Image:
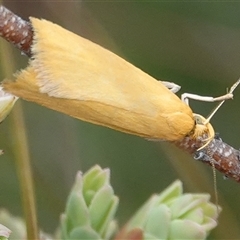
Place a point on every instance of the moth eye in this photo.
(217, 136)
(198, 120)
(198, 155)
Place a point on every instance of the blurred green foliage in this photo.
(194, 44)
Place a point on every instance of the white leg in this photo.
(171, 86)
(186, 96)
(227, 96)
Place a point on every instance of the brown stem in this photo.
(16, 30)
(224, 157)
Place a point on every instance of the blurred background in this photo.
(194, 44)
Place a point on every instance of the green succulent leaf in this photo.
(209, 223)
(149, 236)
(185, 229)
(4, 232)
(195, 215)
(158, 221)
(76, 211)
(170, 215)
(7, 102)
(91, 207)
(94, 180)
(173, 215)
(100, 206)
(83, 233)
(173, 191)
(139, 218)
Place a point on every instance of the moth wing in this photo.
(78, 77)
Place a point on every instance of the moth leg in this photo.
(171, 86)
(186, 96)
(203, 124)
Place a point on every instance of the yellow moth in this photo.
(77, 77)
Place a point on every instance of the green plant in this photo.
(92, 204)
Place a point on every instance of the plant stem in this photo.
(15, 30)
(24, 169)
(21, 152)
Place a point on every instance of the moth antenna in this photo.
(214, 182)
(16, 30)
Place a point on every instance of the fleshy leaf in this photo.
(7, 102)
(158, 222)
(77, 211)
(186, 229)
(174, 215)
(173, 191)
(4, 232)
(100, 207)
(91, 207)
(93, 181)
(84, 233)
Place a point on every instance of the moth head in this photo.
(202, 128)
